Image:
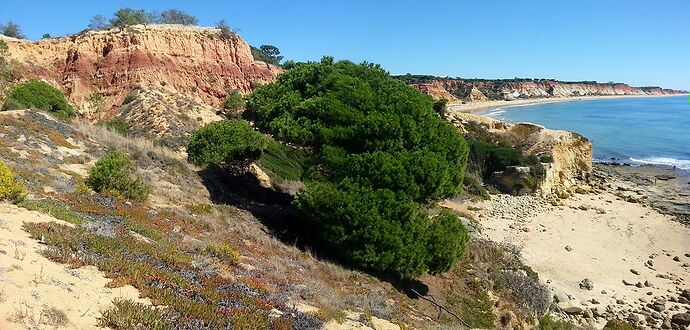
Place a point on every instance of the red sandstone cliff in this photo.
(193, 61)
(481, 90)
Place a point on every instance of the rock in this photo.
(628, 283)
(588, 313)
(639, 285)
(594, 301)
(603, 292)
(666, 324)
(685, 294)
(676, 259)
(568, 248)
(570, 308)
(634, 318)
(687, 255)
(620, 301)
(586, 284)
(682, 319)
(648, 284)
(657, 307)
(636, 272)
(657, 315)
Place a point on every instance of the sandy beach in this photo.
(604, 253)
(479, 107)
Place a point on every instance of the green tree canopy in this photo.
(176, 16)
(11, 29)
(127, 16)
(378, 149)
(98, 22)
(364, 125)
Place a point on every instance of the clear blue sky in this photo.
(640, 42)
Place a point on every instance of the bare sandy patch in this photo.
(626, 250)
(36, 293)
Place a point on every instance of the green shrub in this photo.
(487, 157)
(129, 98)
(3, 46)
(10, 188)
(234, 103)
(225, 143)
(117, 124)
(223, 251)
(618, 325)
(38, 94)
(549, 323)
(114, 174)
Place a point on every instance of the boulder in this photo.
(682, 319)
(586, 284)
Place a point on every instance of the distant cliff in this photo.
(485, 90)
(199, 63)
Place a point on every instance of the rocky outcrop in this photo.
(570, 154)
(198, 62)
(482, 90)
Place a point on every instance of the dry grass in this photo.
(130, 144)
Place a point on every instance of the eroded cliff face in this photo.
(194, 61)
(571, 153)
(482, 90)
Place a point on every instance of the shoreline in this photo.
(619, 234)
(481, 108)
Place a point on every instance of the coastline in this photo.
(485, 106)
(617, 233)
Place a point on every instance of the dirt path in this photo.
(36, 293)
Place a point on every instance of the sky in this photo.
(640, 42)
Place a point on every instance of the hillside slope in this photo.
(198, 62)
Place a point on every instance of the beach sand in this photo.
(479, 107)
(603, 236)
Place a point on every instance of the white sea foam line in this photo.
(683, 164)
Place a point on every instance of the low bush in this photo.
(618, 325)
(38, 94)
(234, 103)
(223, 252)
(114, 174)
(129, 98)
(10, 188)
(229, 143)
(549, 323)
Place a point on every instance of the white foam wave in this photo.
(683, 164)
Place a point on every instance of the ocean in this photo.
(645, 130)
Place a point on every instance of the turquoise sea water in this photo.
(654, 130)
